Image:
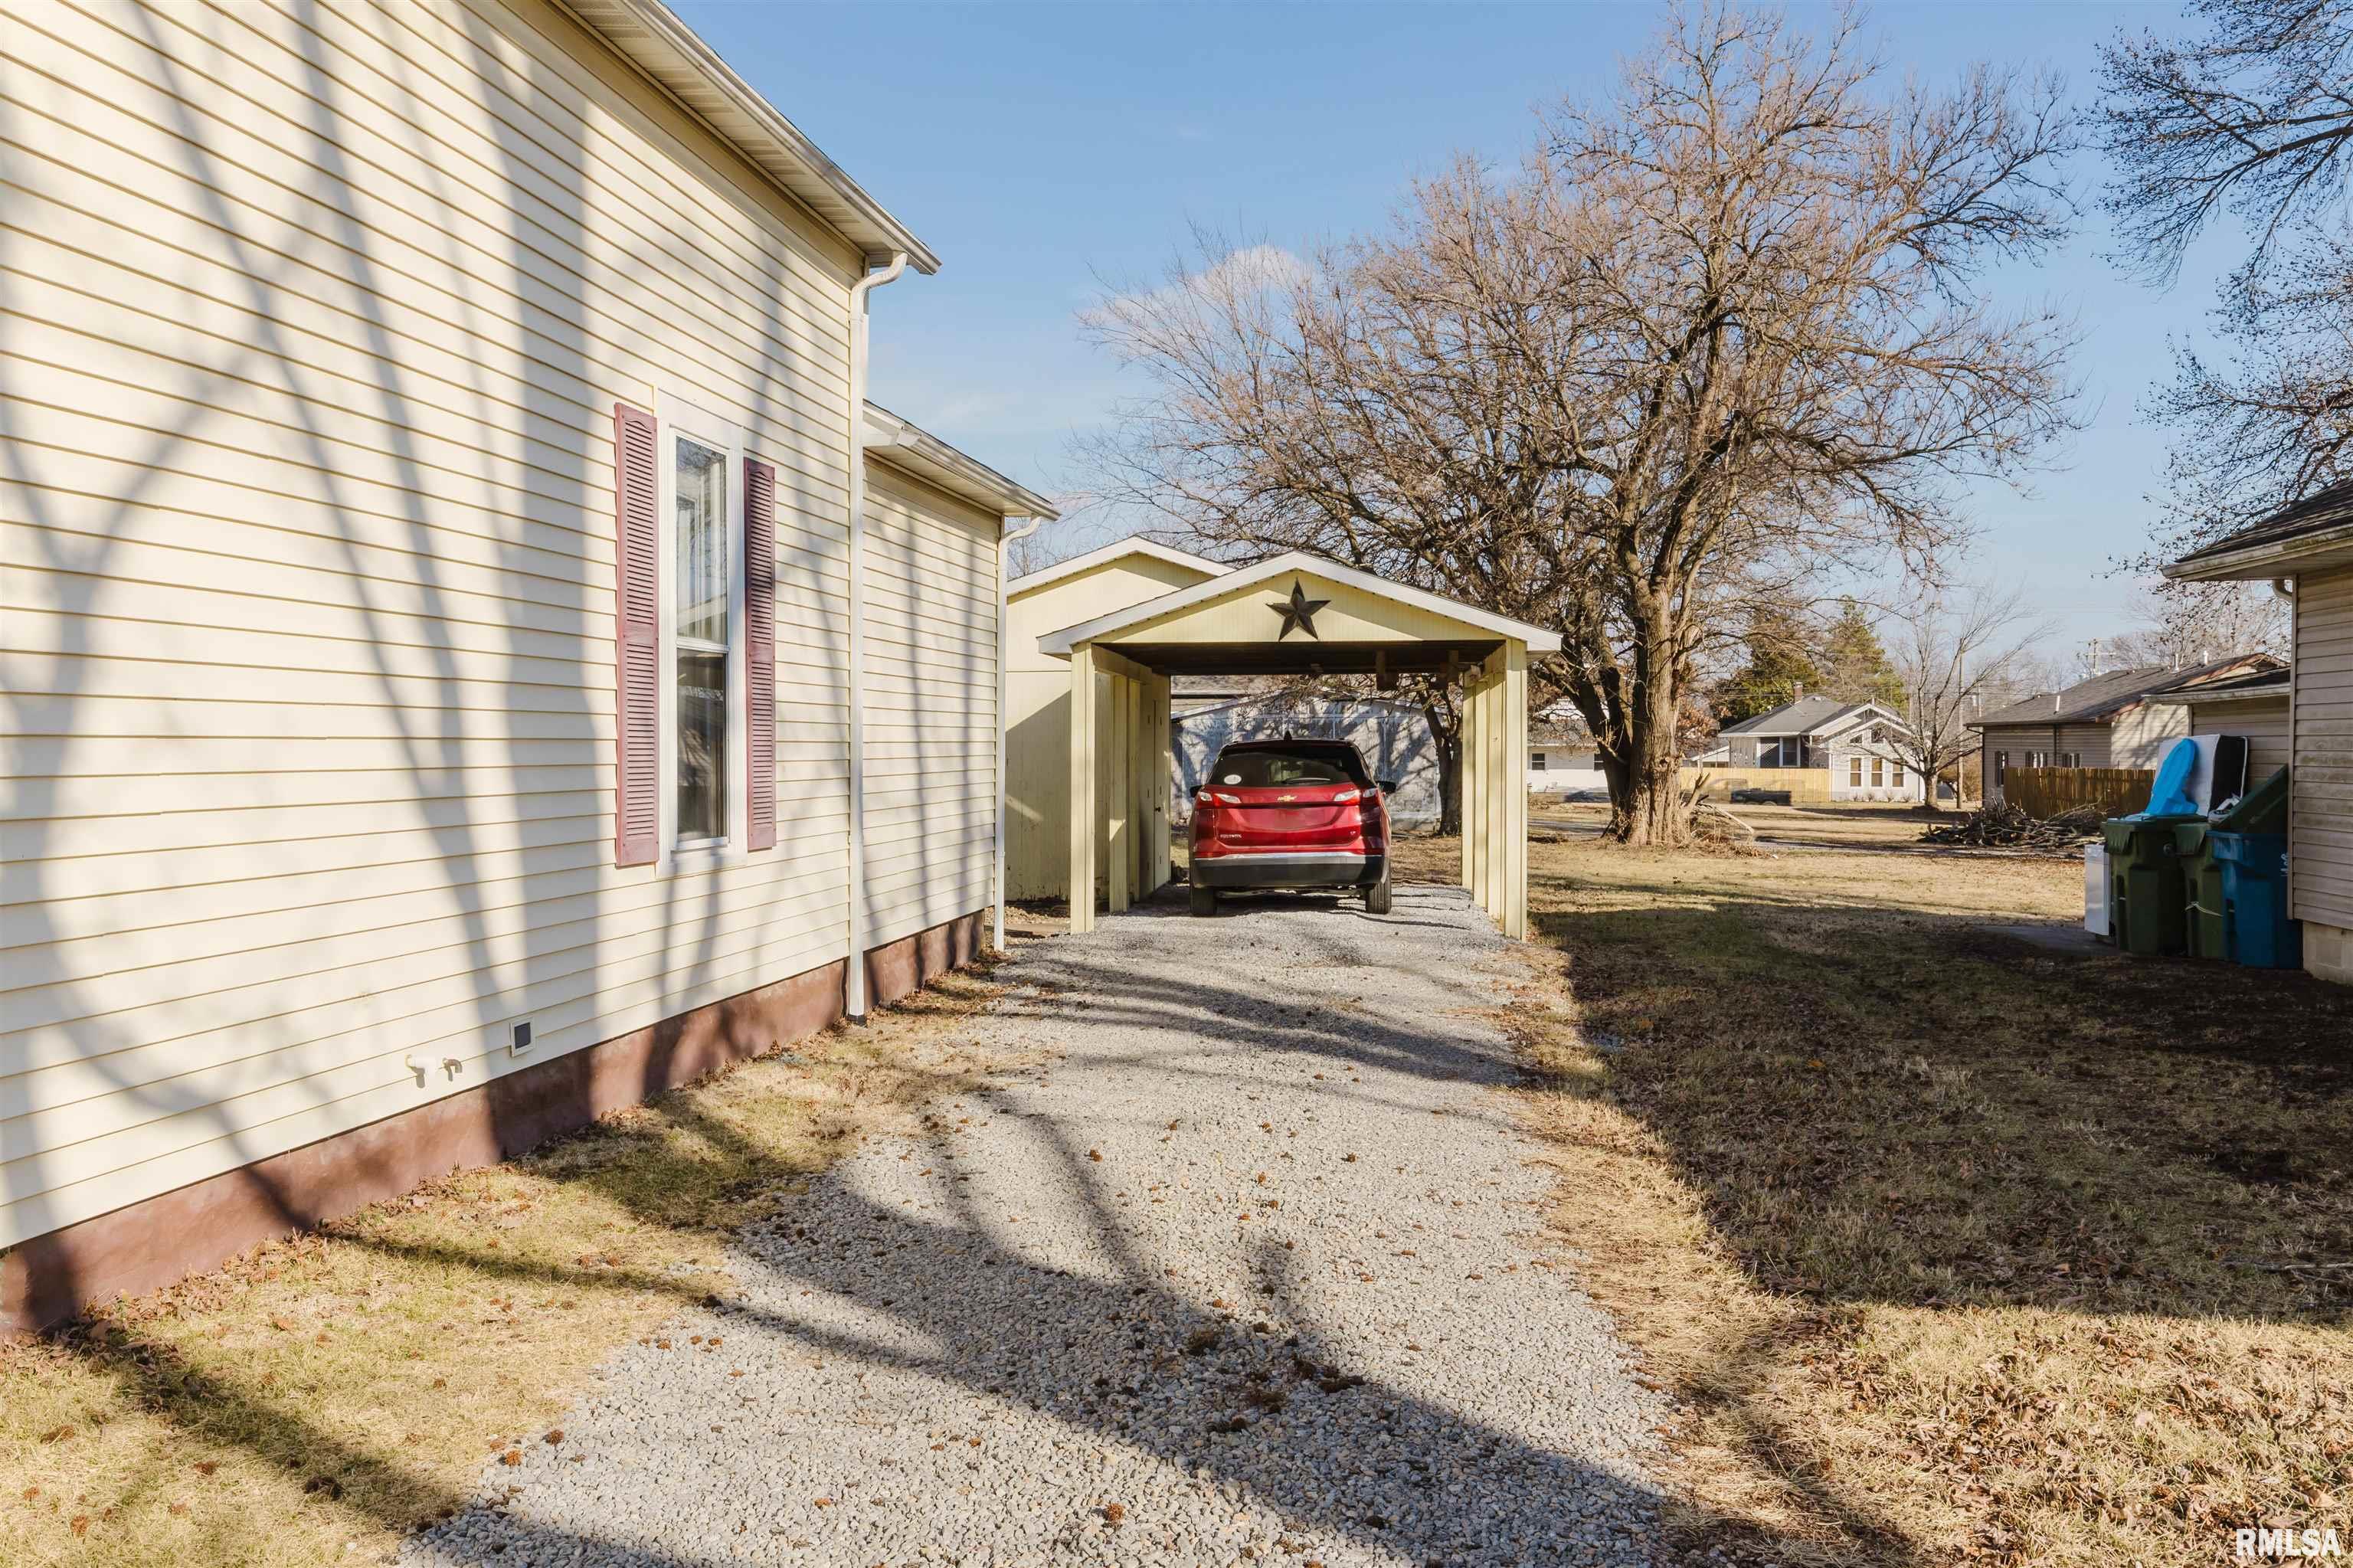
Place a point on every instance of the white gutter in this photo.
(996, 882)
(854, 988)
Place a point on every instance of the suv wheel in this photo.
(1376, 896)
(1205, 900)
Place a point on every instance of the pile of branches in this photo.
(2008, 827)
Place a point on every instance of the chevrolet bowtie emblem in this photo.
(1286, 797)
(1298, 612)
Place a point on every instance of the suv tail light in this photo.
(1347, 797)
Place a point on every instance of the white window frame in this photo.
(679, 417)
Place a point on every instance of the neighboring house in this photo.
(476, 658)
(2109, 721)
(1393, 736)
(1561, 758)
(2306, 550)
(2255, 707)
(1848, 747)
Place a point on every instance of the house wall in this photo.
(316, 332)
(1038, 713)
(1846, 750)
(2320, 823)
(1567, 766)
(2087, 746)
(2264, 725)
(2140, 735)
(930, 779)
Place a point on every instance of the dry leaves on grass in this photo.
(1930, 1232)
(333, 1388)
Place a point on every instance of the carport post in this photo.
(1083, 788)
(1120, 789)
(1160, 775)
(1472, 784)
(1499, 785)
(1515, 913)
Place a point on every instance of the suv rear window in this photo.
(1269, 768)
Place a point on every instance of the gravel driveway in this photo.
(1248, 1269)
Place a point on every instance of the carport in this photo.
(1291, 615)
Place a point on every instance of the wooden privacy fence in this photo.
(2045, 792)
(1806, 785)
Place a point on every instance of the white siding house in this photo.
(2306, 551)
(345, 348)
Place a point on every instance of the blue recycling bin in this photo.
(2256, 930)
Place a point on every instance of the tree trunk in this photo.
(1649, 810)
(1449, 783)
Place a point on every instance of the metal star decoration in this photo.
(1298, 612)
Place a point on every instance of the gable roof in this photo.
(1118, 549)
(1804, 715)
(649, 36)
(2100, 699)
(1538, 639)
(2325, 511)
(2255, 687)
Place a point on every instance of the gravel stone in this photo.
(1249, 1268)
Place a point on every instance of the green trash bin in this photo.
(2147, 900)
(2202, 926)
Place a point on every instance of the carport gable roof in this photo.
(1372, 605)
(1118, 549)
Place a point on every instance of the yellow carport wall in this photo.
(1247, 623)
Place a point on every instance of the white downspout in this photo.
(853, 1001)
(996, 881)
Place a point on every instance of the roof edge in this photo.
(1115, 550)
(928, 458)
(663, 49)
(1538, 639)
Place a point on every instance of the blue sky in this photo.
(1044, 149)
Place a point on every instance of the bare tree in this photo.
(1717, 331)
(2250, 117)
(1959, 651)
(2178, 625)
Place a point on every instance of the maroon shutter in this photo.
(637, 660)
(760, 649)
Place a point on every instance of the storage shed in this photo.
(474, 656)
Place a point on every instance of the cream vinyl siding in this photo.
(2321, 809)
(2140, 735)
(1037, 713)
(313, 330)
(2264, 725)
(930, 705)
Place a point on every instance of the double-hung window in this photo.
(701, 664)
(694, 664)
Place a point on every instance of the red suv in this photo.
(1290, 814)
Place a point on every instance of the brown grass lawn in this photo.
(322, 1397)
(1859, 825)
(1959, 1250)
